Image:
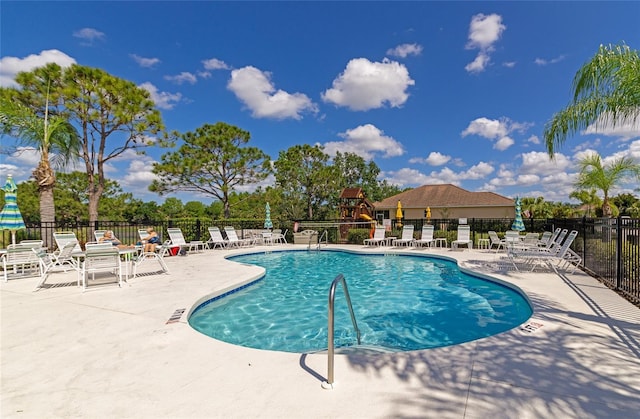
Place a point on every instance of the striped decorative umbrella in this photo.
(10, 217)
(518, 225)
(267, 218)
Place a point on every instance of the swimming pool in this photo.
(401, 303)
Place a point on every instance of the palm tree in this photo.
(536, 207)
(55, 138)
(606, 91)
(588, 198)
(595, 174)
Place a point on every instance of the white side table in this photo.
(439, 242)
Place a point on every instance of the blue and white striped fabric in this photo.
(10, 217)
(518, 225)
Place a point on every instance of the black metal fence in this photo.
(127, 233)
(610, 247)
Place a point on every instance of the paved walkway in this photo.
(110, 353)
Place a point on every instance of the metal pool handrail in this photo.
(330, 344)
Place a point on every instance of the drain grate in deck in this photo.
(175, 317)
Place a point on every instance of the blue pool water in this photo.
(401, 303)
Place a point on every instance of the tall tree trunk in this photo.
(46, 179)
(94, 200)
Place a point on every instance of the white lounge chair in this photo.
(426, 237)
(546, 236)
(63, 237)
(158, 254)
(177, 239)
(216, 239)
(378, 237)
(554, 256)
(407, 238)
(48, 263)
(234, 240)
(64, 256)
(464, 237)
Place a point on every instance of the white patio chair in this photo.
(277, 236)
(98, 258)
(407, 237)
(177, 239)
(426, 237)
(20, 262)
(496, 241)
(463, 238)
(378, 237)
(267, 238)
(232, 236)
(216, 239)
(33, 243)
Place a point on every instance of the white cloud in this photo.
(533, 139)
(184, 77)
(526, 180)
(437, 159)
(434, 159)
(634, 150)
(25, 156)
(144, 62)
(494, 129)
(540, 163)
(405, 50)
(365, 85)
(139, 175)
(411, 177)
(587, 145)
(487, 128)
(484, 31)
(256, 90)
(627, 129)
(163, 100)
(89, 35)
(509, 64)
(366, 141)
(10, 66)
(479, 171)
(215, 64)
(479, 63)
(503, 143)
(543, 62)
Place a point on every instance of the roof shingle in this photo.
(446, 195)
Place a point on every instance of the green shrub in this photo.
(357, 235)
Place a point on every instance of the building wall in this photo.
(453, 213)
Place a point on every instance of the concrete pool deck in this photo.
(110, 353)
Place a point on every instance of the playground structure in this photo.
(355, 209)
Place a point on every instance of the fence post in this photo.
(584, 239)
(618, 252)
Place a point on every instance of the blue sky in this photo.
(433, 92)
